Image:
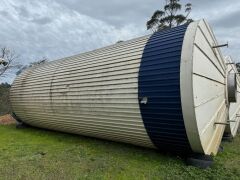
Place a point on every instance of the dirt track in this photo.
(7, 119)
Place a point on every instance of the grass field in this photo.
(40, 154)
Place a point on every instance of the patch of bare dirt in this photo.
(7, 119)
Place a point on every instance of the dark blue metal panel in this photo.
(159, 81)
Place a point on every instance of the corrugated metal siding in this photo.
(234, 108)
(92, 94)
(159, 81)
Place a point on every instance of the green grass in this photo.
(39, 154)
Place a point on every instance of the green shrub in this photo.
(4, 99)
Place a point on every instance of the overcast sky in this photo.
(60, 28)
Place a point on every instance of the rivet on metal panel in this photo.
(143, 100)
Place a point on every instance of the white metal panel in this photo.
(203, 89)
(93, 94)
(234, 108)
(205, 68)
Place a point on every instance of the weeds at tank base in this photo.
(39, 154)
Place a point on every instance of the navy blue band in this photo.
(159, 90)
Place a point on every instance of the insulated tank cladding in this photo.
(166, 90)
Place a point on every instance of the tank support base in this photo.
(220, 149)
(16, 118)
(21, 125)
(227, 138)
(199, 160)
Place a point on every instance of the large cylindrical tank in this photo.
(165, 90)
(234, 107)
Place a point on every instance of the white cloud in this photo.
(45, 28)
(59, 28)
(223, 16)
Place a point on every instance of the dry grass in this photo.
(7, 119)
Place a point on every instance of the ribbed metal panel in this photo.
(92, 94)
(159, 83)
(165, 91)
(234, 107)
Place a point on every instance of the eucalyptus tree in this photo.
(171, 16)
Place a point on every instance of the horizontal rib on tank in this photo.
(93, 94)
